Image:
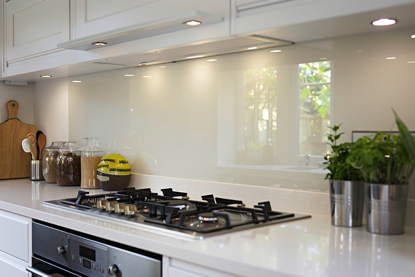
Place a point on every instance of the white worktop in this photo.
(309, 247)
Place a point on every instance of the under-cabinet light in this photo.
(413, 36)
(391, 58)
(76, 81)
(128, 75)
(192, 23)
(99, 43)
(411, 62)
(147, 76)
(384, 22)
(46, 76)
(194, 57)
(212, 60)
(163, 66)
(275, 51)
(252, 48)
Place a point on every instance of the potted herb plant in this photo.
(346, 189)
(386, 166)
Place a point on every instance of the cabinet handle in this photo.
(37, 272)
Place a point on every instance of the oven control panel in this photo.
(95, 258)
(88, 257)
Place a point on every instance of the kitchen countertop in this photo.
(309, 247)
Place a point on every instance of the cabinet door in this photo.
(177, 268)
(34, 27)
(14, 234)
(242, 5)
(98, 16)
(8, 269)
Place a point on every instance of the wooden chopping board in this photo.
(14, 162)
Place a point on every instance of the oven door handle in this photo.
(37, 272)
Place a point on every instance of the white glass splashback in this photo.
(247, 117)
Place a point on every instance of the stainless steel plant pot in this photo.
(346, 201)
(386, 208)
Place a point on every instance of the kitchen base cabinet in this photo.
(15, 235)
(177, 268)
(12, 267)
(15, 244)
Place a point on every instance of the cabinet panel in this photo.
(178, 268)
(14, 232)
(175, 272)
(34, 27)
(98, 16)
(96, 9)
(8, 269)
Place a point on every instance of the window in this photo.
(260, 109)
(314, 107)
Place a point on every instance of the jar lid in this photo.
(56, 145)
(69, 146)
(92, 145)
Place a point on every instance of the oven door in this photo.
(43, 268)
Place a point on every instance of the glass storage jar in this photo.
(91, 155)
(69, 165)
(49, 161)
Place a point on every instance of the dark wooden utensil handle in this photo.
(12, 107)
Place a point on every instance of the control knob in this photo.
(61, 250)
(113, 269)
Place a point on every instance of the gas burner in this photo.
(207, 217)
(178, 204)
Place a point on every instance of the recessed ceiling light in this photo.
(413, 36)
(46, 76)
(76, 81)
(192, 23)
(252, 48)
(128, 75)
(275, 51)
(99, 43)
(147, 76)
(384, 22)
(411, 62)
(391, 58)
(323, 59)
(359, 51)
(212, 60)
(194, 57)
(163, 66)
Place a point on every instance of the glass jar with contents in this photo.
(91, 155)
(69, 165)
(49, 161)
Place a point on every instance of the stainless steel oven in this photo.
(60, 252)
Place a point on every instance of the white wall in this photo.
(51, 109)
(24, 95)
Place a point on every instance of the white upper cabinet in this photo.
(305, 20)
(99, 16)
(35, 27)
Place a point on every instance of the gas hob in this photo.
(174, 213)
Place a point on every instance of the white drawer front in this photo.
(10, 270)
(14, 235)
